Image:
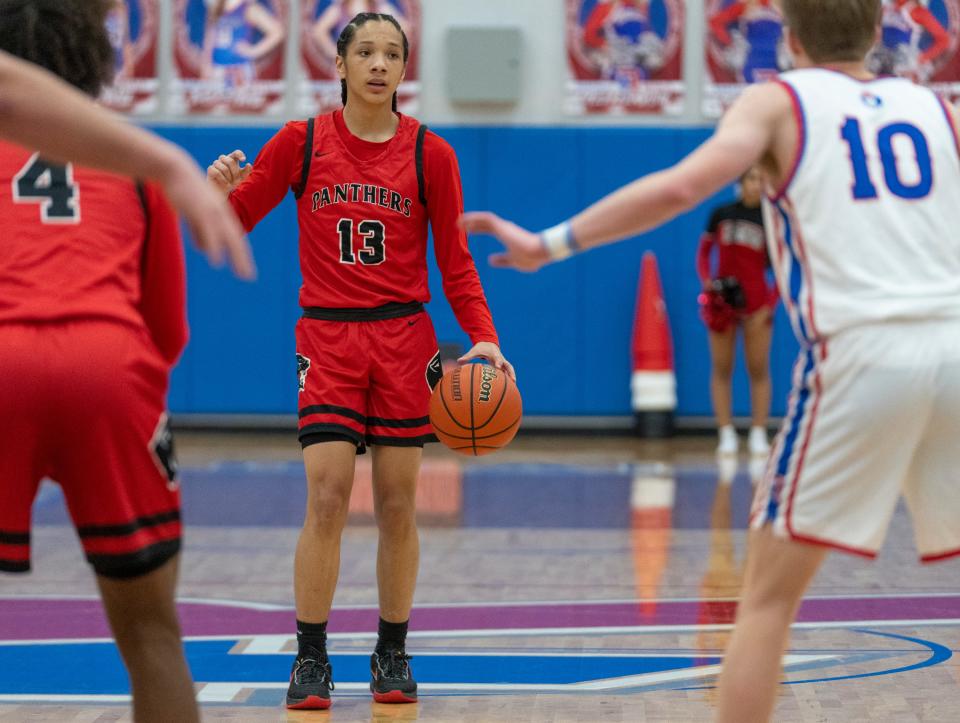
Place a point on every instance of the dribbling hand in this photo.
(491, 352)
(524, 249)
(226, 173)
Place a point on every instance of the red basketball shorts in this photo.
(368, 382)
(82, 403)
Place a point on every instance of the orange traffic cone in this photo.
(654, 385)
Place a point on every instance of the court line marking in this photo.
(227, 692)
(938, 654)
(492, 603)
(530, 632)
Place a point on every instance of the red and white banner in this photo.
(625, 56)
(744, 45)
(320, 24)
(132, 29)
(919, 40)
(229, 56)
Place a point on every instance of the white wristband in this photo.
(559, 241)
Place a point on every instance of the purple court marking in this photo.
(46, 619)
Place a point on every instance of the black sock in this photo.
(312, 635)
(391, 636)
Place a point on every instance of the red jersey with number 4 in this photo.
(81, 244)
(363, 225)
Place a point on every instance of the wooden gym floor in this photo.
(565, 579)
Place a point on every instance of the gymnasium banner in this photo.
(132, 29)
(320, 24)
(919, 41)
(744, 45)
(228, 56)
(625, 56)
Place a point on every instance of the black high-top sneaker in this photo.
(391, 678)
(310, 681)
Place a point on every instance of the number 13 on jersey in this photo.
(373, 250)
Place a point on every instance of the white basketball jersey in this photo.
(867, 228)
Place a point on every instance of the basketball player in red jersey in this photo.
(367, 182)
(736, 295)
(92, 317)
(40, 112)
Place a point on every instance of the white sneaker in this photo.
(729, 444)
(757, 442)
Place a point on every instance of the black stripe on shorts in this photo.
(384, 441)
(14, 565)
(332, 409)
(330, 428)
(141, 523)
(14, 538)
(397, 423)
(134, 564)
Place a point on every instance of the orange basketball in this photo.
(475, 409)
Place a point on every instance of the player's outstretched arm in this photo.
(39, 111)
(744, 137)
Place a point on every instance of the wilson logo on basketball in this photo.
(486, 379)
(455, 387)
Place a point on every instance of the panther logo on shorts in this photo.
(161, 447)
(303, 366)
(434, 371)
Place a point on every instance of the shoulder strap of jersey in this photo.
(419, 158)
(145, 206)
(307, 157)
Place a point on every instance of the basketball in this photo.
(475, 409)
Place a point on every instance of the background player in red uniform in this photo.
(38, 111)
(92, 317)
(737, 294)
(367, 182)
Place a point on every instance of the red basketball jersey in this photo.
(82, 244)
(737, 232)
(366, 222)
(363, 224)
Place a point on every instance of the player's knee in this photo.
(722, 371)
(770, 598)
(327, 506)
(395, 512)
(758, 372)
(147, 632)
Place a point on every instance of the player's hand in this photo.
(524, 249)
(214, 226)
(227, 172)
(491, 352)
